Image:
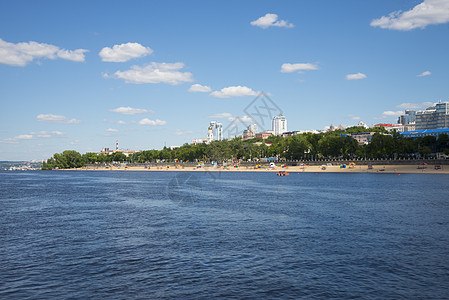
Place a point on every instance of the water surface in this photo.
(117, 235)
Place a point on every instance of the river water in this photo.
(152, 235)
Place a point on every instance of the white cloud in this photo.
(408, 105)
(112, 130)
(288, 68)
(75, 55)
(244, 119)
(271, 20)
(21, 54)
(183, 132)
(130, 111)
(147, 121)
(425, 73)
(121, 122)
(156, 73)
(391, 114)
(50, 118)
(429, 12)
(199, 88)
(31, 136)
(124, 52)
(220, 116)
(234, 91)
(356, 76)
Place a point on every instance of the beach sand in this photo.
(430, 169)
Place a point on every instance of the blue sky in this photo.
(81, 75)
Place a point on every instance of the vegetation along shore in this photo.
(306, 148)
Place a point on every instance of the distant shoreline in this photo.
(389, 169)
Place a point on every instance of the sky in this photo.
(79, 75)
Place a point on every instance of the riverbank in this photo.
(430, 169)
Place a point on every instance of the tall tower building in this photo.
(252, 128)
(408, 118)
(279, 124)
(217, 131)
(434, 117)
(210, 134)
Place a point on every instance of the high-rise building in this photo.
(250, 132)
(279, 124)
(215, 131)
(408, 118)
(252, 128)
(434, 117)
(210, 134)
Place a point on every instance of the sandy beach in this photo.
(430, 169)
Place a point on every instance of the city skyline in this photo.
(152, 74)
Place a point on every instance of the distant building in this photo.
(250, 132)
(434, 117)
(362, 124)
(333, 128)
(422, 133)
(279, 124)
(127, 152)
(389, 127)
(409, 127)
(264, 134)
(363, 138)
(408, 118)
(198, 141)
(210, 134)
(314, 131)
(215, 131)
(252, 128)
(288, 133)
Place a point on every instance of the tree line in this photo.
(329, 145)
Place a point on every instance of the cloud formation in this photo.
(356, 76)
(199, 88)
(130, 111)
(391, 114)
(288, 68)
(220, 116)
(32, 135)
(234, 91)
(408, 105)
(147, 121)
(429, 12)
(124, 52)
(21, 54)
(112, 130)
(50, 118)
(156, 73)
(244, 119)
(271, 20)
(425, 73)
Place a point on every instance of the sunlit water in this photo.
(146, 235)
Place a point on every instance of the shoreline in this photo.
(378, 169)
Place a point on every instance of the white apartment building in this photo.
(279, 124)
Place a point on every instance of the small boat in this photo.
(282, 173)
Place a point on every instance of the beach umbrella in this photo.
(424, 164)
(352, 164)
